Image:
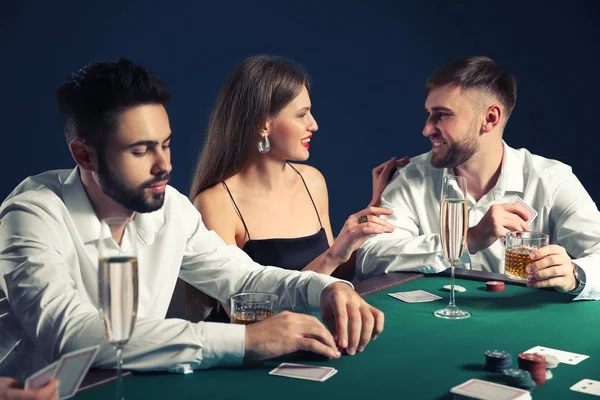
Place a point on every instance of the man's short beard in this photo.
(133, 199)
(460, 152)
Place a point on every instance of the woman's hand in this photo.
(382, 175)
(356, 230)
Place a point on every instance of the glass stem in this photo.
(451, 304)
(120, 395)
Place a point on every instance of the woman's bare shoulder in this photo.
(210, 197)
(316, 183)
(217, 213)
(312, 176)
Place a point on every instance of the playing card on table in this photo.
(587, 386)
(482, 390)
(72, 368)
(41, 377)
(415, 296)
(530, 211)
(563, 356)
(308, 372)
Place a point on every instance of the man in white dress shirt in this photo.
(469, 102)
(119, 135)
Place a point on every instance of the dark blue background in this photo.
(368, 60)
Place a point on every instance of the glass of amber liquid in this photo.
(248, 308)
(519, 245)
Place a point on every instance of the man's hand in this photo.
(382, 175)
(497, 221)
(285, 333)
(341, 305)
(552, 268)
(11, 389)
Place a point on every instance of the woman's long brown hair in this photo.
(258, 88)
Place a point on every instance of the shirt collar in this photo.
(511, 174)
(87, 223)
(79, 207)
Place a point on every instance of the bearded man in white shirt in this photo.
(469, 102)
(118, 133)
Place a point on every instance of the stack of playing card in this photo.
(308, 372)
(415, 296)
(69, 370)
(482, 390)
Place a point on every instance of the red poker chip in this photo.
(533, 358)
(494, 286)
(535, 364)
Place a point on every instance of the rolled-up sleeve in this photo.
(406, 248)
(51, 309)
(576, 226)
(221, 270)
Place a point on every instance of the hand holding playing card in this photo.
(497, 221)
(552, 268)
(11, 389)
(70, 370)
(342, 306)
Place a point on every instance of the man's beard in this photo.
(458, 153)
(133, 199)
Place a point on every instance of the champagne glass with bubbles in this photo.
(454, 223)
(118, 284)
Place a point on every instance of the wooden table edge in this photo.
(385, 281)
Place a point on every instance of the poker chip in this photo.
(494, 286)
(535, 364)
(457, 288)
(497, 361)
(519, 378)
(551, 361)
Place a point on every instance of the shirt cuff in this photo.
(316, 285)
(591, 277)
(223, 344)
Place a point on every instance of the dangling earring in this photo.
(264, 145)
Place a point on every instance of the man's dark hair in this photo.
(480, 73)
(92, 99)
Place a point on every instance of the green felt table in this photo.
(418, 356)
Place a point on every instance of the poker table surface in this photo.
(418, 356)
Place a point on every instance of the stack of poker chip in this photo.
(519, 378)
(497, 361)
(551, 363)
(536, 365)
(494, 286)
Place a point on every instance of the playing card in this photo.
(587, 386)
(530, 211)
(308, 372)
(563, 356)
(72, 368)
(415, 296)
(41, 377)
(482, 390)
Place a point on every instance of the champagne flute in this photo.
(118, 284)
(454, 223)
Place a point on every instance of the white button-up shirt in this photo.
(49, 278)
(566, 213)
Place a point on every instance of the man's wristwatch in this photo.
(579, 280)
